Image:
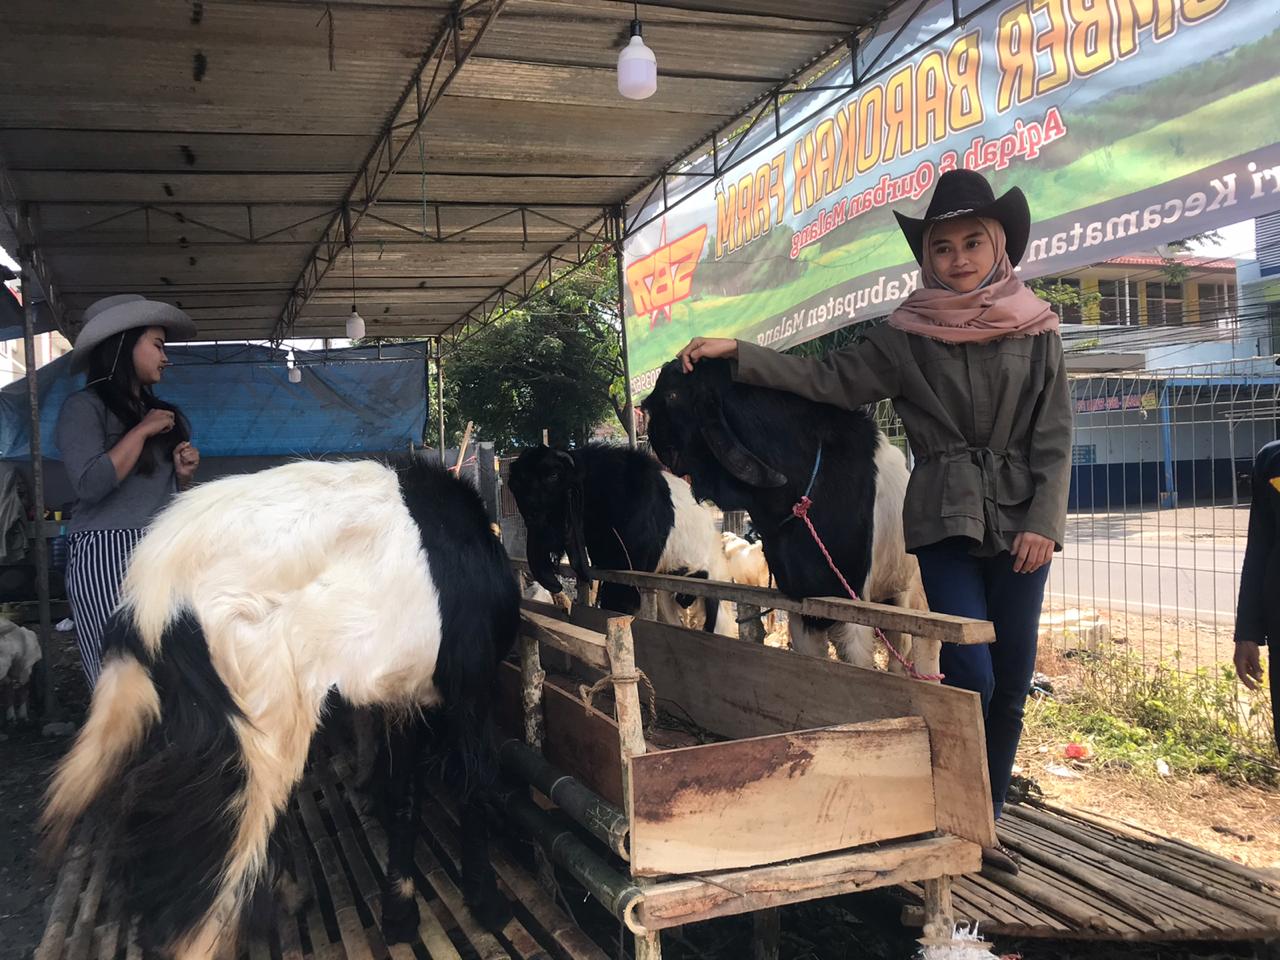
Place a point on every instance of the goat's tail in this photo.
(125, 704)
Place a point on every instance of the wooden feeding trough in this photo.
(813, 778)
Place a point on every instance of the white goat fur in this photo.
(304, 578)
(19, 653)
(693, 544)
(747, 565)
(894, 578)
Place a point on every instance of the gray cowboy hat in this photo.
(111, 315)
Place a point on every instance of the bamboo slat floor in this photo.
(339, 857)
(1088, 877)
(1083, 877)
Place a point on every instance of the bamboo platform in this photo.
(1086, 877)
(1083, 877)
(343, 858)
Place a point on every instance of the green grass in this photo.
(1165, 151)
(1132, 717)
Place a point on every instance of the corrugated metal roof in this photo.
(197, 152)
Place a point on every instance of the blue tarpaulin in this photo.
(241, 404)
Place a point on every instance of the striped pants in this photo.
(96, 560)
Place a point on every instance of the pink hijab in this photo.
(1004, 306)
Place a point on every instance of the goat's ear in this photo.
(724, 443)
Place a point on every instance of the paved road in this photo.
(1180, 562)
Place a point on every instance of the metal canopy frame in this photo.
(238, 188)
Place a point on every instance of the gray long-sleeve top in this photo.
(989, 423)
(86, 431)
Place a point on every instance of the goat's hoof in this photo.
(399, 919)
(490, 908)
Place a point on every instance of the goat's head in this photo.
(548, 487)
(690, 433)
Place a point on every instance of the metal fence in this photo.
(1158, 509)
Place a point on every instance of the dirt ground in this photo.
(26, 760)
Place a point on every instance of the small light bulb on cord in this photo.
(355, 322)
(637, 66)
(295, 374)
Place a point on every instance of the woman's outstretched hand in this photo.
(706, 348)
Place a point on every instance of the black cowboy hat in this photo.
(966, 193)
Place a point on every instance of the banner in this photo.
(1128, 123)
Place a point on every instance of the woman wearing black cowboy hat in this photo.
(126, 452)
(973, 363)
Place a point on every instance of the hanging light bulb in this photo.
(637, 66)
(355, 322)
(295, 374)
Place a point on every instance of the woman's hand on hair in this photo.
(1031, 552)
(156, 422)
(186, 460)
(706, 348)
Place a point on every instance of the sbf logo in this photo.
(665, 277)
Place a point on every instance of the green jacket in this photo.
(989, 424)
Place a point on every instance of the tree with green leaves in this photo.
(554, 364)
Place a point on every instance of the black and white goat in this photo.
(248, 600)
(755, 449)
(618, 508)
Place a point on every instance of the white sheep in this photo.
(19, 653)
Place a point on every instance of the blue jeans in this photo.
(986, 588)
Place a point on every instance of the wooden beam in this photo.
(759, 888)
(586, 645)
(920, 623)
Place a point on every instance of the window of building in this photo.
(1119, 303)
(1164, 304)
(1217, 302)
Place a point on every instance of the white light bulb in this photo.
(637, 68)
(295, 374)
(355, 325)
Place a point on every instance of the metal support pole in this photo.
(629, 409)
(37, 477)
(440, 394)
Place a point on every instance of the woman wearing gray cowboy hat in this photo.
(126, 452)
(973, 361)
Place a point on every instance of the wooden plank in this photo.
(1107, 885)
(321, 947)
(77, 947)
(726, 894)
(587, 645)
(440, 817)
(580, 740)
(722, 806)
(1059, 895)
(350, 926)
(1235, 880)
(430, 931)
(1157, 876)
(524, 944)
(133, 949)
(1170, 908)
(65, 896)
(921, 623)
(109, 932)
(741, 690)
(484, 943)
